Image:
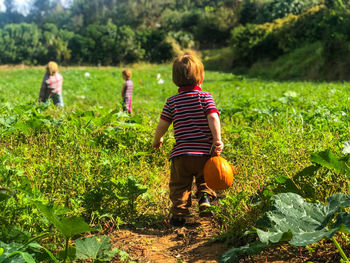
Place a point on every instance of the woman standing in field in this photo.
(127, 90)
(51, 87)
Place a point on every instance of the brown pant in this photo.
(183, 169)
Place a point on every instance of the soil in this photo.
(318, 253)
(194, 243)
(191, 243)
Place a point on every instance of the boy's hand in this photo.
(218, 146)
(157, 144)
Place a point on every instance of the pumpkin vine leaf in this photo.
(298, 222)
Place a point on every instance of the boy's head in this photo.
(188, 70)
(126, 74)
(51, 68)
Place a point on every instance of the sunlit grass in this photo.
(269, 129)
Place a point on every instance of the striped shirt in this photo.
(128, 89)
(127, 94)
(188, 112)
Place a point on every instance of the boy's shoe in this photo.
(177, 221)
(204, 203)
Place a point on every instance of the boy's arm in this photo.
(42, 89)
(215, 128)
(123, 89)
(161, 129)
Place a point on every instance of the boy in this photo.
(127, 90)
(196, 131)
(51, 86)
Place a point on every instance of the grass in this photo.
(81, 156)
(302, 63)
(218, 59)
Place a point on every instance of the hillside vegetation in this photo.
(263, 36)
(313, 45)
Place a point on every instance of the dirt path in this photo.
(192, 243)
(167, 244)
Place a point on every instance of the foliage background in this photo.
(270, 39)
(93, 161)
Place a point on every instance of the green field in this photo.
(91, 160)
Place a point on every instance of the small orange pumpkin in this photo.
(218, 173)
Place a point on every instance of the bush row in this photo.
(99, 44)
(270, 40)
(267, 42)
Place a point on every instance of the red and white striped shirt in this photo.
(188, 112)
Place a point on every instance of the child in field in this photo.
(197, 131)
(127, 90)
(51, 87)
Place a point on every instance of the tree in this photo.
(86, 12)
(20, 43)
(339, 5)
(56, 43)
(40, 11)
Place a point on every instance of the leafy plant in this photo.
(331, 161)
(126, 193)
(298, 222)
(28, 252)
(67, 226)
(308, 181)
(98, 249)
(4, 193)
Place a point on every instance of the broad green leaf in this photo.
(94, 248)
(234, 254)
(48, 213)
(26, 256)
(68, 226)
(330, 161)
(36, 245)
(299, 222)
(294, 220)
(14, 252)
(343, 223)
(71, 226)
(8, 249)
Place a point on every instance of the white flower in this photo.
(346, 147)
(87, 74)
(158, 76)
(160, 81)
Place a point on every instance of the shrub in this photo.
(252, 42)
(270, 40)
(157, 48)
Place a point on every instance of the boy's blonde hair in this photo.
(188, 70)
(127, 73)
(51, 68)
